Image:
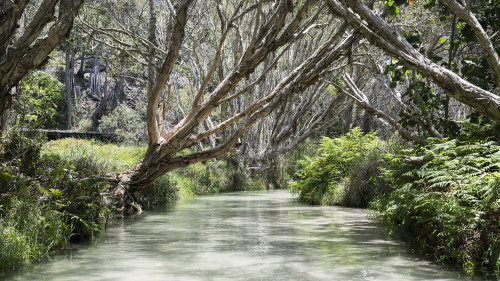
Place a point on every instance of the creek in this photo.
(241, 236)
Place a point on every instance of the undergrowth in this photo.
(50, 193)
(45, 200)
(209, 177)
(446, 195)
(450, 204)
(344, 172)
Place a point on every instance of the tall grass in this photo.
(107, 157)
(29, 232)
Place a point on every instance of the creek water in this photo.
(241, 236)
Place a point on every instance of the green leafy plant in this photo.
(450, 202)
(45, 199)
(126, 123)
(345, 171)
(41, 102)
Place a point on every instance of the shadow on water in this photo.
(242, 236)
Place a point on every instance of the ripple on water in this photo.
(241, 236)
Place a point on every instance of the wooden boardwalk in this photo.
(59, 134)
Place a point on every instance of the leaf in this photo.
(443, 39)
(6, 177)
(56, 192)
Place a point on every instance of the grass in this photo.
(209, 177)
(110, 157)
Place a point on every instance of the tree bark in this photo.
(69, 83)
(379, 33)
(161, 156)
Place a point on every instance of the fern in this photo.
(341, 172)
(451, 204)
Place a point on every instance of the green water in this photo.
(241, 236)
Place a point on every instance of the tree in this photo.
(288, 67)
(376, 30)
(26, 42)
(276, 25)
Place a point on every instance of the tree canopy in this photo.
(259, 75)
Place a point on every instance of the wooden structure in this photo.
(59, 134)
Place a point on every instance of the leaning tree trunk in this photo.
(378, 32)
(162, 154)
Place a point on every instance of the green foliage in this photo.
(126, 123)
(450, 204)
(474, 66)
(45, 200)
(345, 171)
(102, 157)
(162, 191)
(27, 231)
(97, 158)
(41, 101)
(398, 72)
(476, 70)
(212, 177)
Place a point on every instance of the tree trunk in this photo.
(381, 34)
(69, 84)
(7, 98)
(162, 154)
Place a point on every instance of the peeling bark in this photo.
(380, 34)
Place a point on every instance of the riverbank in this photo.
(262, 235)
(445, 195)
(50, 197)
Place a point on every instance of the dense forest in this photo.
(390, 105)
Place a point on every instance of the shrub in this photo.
(345, 171)
(450, 204)
(162, 191)
(45, 200)
(211, 177)
(41, 102)
(126, 123)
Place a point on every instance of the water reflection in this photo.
(241, 236)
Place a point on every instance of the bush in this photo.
(126, 123)
(345, 172)
(41, 102)
(45, 200)
(450, 204)
(162, 191)
(211, 177)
